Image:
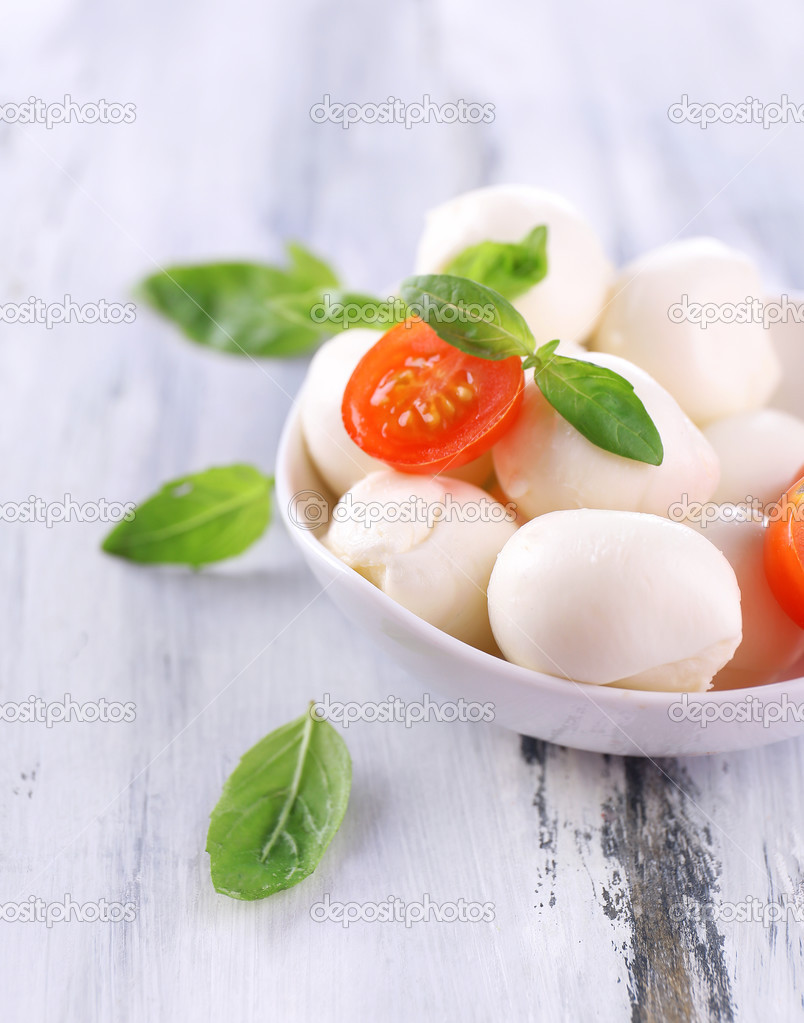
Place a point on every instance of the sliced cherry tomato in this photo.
(423, 406)
(784, 554)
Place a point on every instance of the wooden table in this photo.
(602, 872)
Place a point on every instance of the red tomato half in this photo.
(784, 554)
(422, 406)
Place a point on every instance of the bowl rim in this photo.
(601, 695)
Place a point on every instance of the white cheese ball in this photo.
(336, 456)
(567, 302)
(712, 370)
(609, 597)
(788, 342)
(434, 561)
(340, 462)
(544, 464)
(761, 455)
(771, 642)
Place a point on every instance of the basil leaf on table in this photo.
(245, 308)
(307, 270)
(600, 404)
(468, 315)
(279, 810)
(197, 519)
(510, 268)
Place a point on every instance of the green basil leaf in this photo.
(197, 519)
(600, 404)
(279, 810)
(546, 351)
(245, 308)
(468, 315)
(307, 270)
(510, 268)
(541, 355)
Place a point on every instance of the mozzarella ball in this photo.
(788, 342)
(336, 456)
(712, 369)
(567, 302)
(339, 461)
(615, 598)
(436, 560)
(544, 464)
(761, 455)
(771, 642)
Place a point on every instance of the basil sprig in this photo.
(279, 810)
(196, 519)
(249, 308)
(468, 315)
(599, 403)
(510, 268)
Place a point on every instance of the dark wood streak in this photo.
(535, 753)
(662, 885)
(773, 927)
(676, 960)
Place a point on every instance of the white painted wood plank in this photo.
(582, 856)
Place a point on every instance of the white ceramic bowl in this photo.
(587, 717)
